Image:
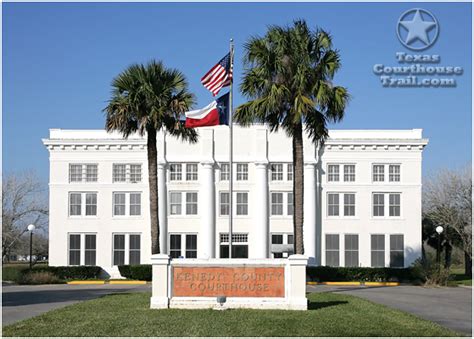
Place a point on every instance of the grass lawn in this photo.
(459, 278)
(128, 314)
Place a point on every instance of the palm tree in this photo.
(288, 81)
(146, 99)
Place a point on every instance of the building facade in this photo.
(362, 197)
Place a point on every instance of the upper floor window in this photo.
(176, 172)
(82, 204)
(127, 173)
(349, 173)
(122, 200)
(183, 245)
(334, 200)
(394, 173)
(83, 172)
(289, 173)
(191, 172)
(333, 172)
(380, 207)
(277, 172)
(378, 173)
(281, 203)
(242, 172)
(183, 201)
(242, 207)
(82, 249)
(225, 173)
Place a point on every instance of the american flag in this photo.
(218, 76)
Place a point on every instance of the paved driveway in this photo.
(449, 306)
(22, 302)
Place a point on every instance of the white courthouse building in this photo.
(362, 197)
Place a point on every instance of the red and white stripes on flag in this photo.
(218, 76)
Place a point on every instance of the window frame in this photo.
(183, 250)
(402, 250)
(337, 251)
(377, 250)
(83, 172)
(331, 177)
(192, 171)
(127, 248)
(387, 205)
(242, 172)
(183, 203)
(276, 172)
(348, 174)
(83, 204)
(127, 204)
(82, 248)
(351, 250)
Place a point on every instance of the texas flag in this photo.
(216, 113)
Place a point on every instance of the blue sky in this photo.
(59, 60)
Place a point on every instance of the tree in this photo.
(447, 202)
(146, 99)
(24, 202)
(288, 81)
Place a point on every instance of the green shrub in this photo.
(430, 273)
(136, 272)
(71, 272)
(382, 274)
(39, 277)
(13, 272)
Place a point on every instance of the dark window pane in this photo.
(119, 241)
(277, 255)
(75, 241)
(90, 257)
(74, 257)
(134, 241)
(277, 238)
(134, 257)
(119, 257)
(175, 245)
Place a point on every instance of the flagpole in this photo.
(231, 176)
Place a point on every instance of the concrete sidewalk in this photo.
(450, 307)
(22, 302)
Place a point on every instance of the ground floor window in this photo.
(282, 245)
(397, 258)
(332, 250)
(240, 247)
(183, 245)
(377, 250)
(351, 250)
(126, 249)
(82, 249)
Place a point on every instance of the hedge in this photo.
(61, 272)
(136, 272)
(382, 274)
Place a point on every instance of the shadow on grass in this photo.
(314, 305)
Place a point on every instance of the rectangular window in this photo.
(225, 173)
(135, 173)
(119, 249)
(378, 173)
(134, 252)
(290, 238)
(394, 204)
(290, 204)
(75, 173)
(191, 203)
(378, 250)
(91, 173)
(277, 172)
(333, 172)
(191, 172)
(349, 204)
(394, 173)
(242, 203)
(119, 172)
(175, 245)
(242, 172)
(175, 203)
(332, 250)
(119, 203)
(90, 250)
(75, 204)
(289, 175)
(74, 249)
(224, 203)
(333, 204)
(91, 203)
(277, 239)
(135, 204)
(397, 258)
(349, 173)
(276, 203)
(176, 172)
(351, 247)
(191, 246)
(378, 204)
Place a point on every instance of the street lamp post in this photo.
(31, 228)
(439, 230)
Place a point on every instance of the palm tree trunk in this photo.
(153, 190)
(298, 188)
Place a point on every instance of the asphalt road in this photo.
(450, 307)
(22, 302)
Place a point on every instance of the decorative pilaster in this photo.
(309, 225)
(262, 226)
(207, 233)
(162, 207)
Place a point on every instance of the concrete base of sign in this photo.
(246, 283)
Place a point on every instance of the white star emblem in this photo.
(418, 29)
